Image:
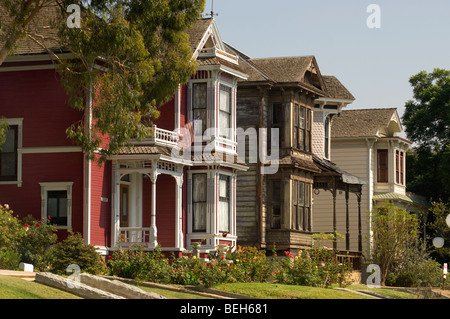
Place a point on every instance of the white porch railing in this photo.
(164, 137)
(133, 235)
(225, 145)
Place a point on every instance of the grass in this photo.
(280, 291)
(16, 288)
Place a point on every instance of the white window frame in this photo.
(19, 123)
(57, 186)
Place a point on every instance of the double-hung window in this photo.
(56, 203)
(225, 112)
(301, 211)
(302, 127)
(199, 200)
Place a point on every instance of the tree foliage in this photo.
(128, 59)
(395, 235)
(427, 123)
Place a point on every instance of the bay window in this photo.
(382, 166)
(302, 127)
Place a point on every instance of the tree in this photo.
(129, 56)
(427, 123)
(395, 234)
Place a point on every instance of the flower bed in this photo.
(316, 267)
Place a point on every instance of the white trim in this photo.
(37, 57)
(58, 186)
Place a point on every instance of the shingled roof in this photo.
(335, 89)
(197, 31)
(40, 25)
(361, 123)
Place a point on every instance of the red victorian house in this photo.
(143, 194)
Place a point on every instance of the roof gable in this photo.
(366, 123)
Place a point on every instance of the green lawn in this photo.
(279, 291)
(16, 288)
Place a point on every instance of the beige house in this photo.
(366, 143)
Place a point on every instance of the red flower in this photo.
(276, 272)
(26, 225)
(109, 257)
(48, 217)
(37, 225)
(176, 270)
(212, 264)
(223, 257)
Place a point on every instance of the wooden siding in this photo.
(352, 158)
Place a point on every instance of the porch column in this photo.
(153, 231)
(115, 225)
(179, 240)
(358, 195)
(347, 220)
(334, 214)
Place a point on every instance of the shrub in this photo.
(250, 264)
(73, 250)
(34, 246)
(426, 273)
(316, 267)
(9, 259)
(137, 264)
(11, 229)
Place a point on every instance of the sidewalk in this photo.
(20, 274)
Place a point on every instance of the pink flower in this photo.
(322, 264)
(212, 264)
(109, 257)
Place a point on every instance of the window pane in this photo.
(8, 164)
(382, 163)
(301, 193)
(199, 224)
(199, 196)
(57, 207)
(224, 124)
(200, 95)
(224, 204)
(199, 189)
(10, 143)
(302, 117)
(225, 99)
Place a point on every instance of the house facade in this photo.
(146, 194)
(366, 143)
(277, 101)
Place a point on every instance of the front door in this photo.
(124, 205)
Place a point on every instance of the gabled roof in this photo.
(335, 89)
(365, 122)
(39, 25)
(197, 32)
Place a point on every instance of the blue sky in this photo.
(374, 64)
